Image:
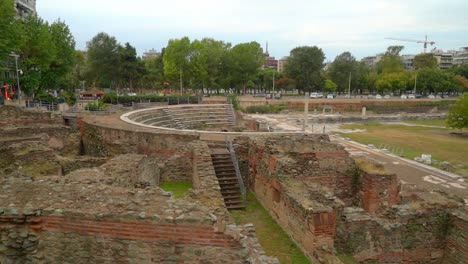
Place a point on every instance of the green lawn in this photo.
(273, 239)
(428, 122)
(178, 189)
(412, 141)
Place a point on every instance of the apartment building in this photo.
(25, 8)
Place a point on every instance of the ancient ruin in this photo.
(89, 192)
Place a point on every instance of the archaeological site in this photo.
(85, 188)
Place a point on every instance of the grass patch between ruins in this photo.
(178, 189)
(412, 141)
(273, 239)
(428, 122)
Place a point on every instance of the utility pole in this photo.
(415, 81)
(273, 83)
(16, 56)
(178, 100)
(349, 86)
(306, 111)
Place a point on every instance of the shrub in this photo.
(265, 109)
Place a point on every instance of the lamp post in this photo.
(16, 56)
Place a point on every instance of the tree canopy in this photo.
(305, 65)
(458, 114)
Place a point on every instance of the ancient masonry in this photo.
(91, 195)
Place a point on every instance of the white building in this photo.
(461, 56)
(25, 7)
(408, 61)
(281, 63)
(151, 53)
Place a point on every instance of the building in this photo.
(444, 59)
(461, 56)
(372, 61)
(281, 63)
(25, 8)
(152, 53)
(408, 61)
(270, 61)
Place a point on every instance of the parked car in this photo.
(431, 96)
(330, 96)
(387, 96)
(278, 96)
(313, 95)
(404, 96)
(131, 94)
(320, 95)
(411, 96)
(378, 96)
(268, 96)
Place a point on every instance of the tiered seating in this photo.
(187, 117)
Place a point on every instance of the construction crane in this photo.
(417, 41)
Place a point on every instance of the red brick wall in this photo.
(379, 192)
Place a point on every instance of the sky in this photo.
(335, 26)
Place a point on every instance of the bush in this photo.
(96, 106)
(112, 98)
(265, 109)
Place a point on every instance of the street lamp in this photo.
(16, 56)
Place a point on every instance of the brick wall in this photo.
(379, 192)
(457, 239)
(79, 239)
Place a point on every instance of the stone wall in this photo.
(457, 239)
(379, 192)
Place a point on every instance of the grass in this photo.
(412, 141)
(273, 239)
(178, 189)
(428, 122)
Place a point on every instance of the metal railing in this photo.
(43, 105)
(236, 166)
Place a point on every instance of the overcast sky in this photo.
(358, 26)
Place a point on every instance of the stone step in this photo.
(230, 192)
(233, 207)
(230, 187)
(227, 179)
(229, 197)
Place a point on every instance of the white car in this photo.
(411, 96)
(314, 95)
(387, 96)
(330, 96)
(403, 96)
(431, 96)
(378, 96)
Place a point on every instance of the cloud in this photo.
(358, 25)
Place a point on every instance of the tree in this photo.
(103, 60)
(244, 63)
(392, 82)
(462, 83)
(59, 74)
(329, 86)
(304, 66)
(434, 80)
(10, 31)
(154, 71)
(340, 70)
(458, 114)
(391, 61)
(38, 51)
(461, 70)
(425, 60)
(131, 67)
(286, 83)
(177, 59)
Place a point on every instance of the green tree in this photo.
(244, 63)
(304, 66)
(458, 114)
(391, 61)
(434, 80)
(103, 60)
(392, 82)
(59, 73)
(10, 32)
(154, 71)
(340, 70)
(131, 67)
(329, 86)
(38, 51)
(425, 60)
(79, 70)
(461, 70)
(177, 59)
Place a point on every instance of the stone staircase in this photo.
(226, 174)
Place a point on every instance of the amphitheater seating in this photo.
(199, 117)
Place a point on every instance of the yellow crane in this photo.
(417, 41)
